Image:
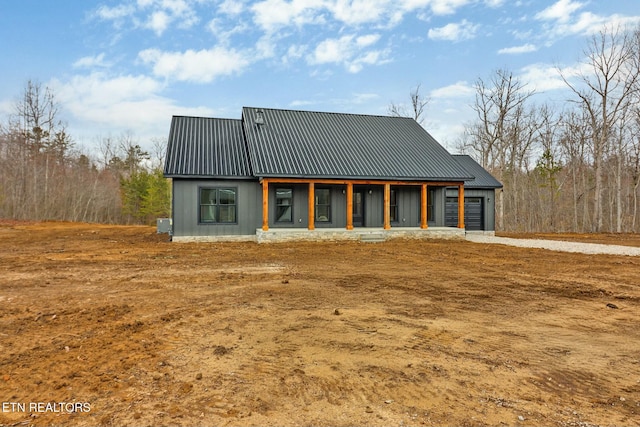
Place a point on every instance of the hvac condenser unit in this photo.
(164, 225)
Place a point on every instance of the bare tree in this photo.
(573, 148)
(605, 90)
(416, 111)
(46, 142)
(634, 165)
(499, 107)
(158, 150)
(503, 134)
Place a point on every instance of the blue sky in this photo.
(129, 65)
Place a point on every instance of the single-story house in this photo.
(282, 174)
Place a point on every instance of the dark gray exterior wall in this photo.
(249, 206)
(439, 199)
(301, 203)
(408, 206)
(299, 214)
(186, 207)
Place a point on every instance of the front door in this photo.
(358, 208)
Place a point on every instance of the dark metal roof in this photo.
(483, 179)
(330, 145)
(206, 148)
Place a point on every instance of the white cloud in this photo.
(218, 27)
(158, 22)
(114, 13)
(333, 50)
(231, 7)
(102, 103)
(447, 7)
(494, 3)
(588, 23)
(348, 50)
(368, 40)
(177, 7)
(460, 89)
(156, 15)
(560, 11)
(544, 77)
(359, 11)
(99, 89)
(437, 7)
(91, 61)
(369, 58)
(273, 14)
(525, 48)
(463, 30)
(201, 66)
(294, 53)
(265, 47)
(562, 20)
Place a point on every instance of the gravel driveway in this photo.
(555, 245)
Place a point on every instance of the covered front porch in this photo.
(343, 214)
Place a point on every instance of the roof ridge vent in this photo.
(259, 117)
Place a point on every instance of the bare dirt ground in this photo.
(131, 329)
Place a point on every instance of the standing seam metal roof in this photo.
(483, 179)
(305, 144)
(330, 145)
(204, 147)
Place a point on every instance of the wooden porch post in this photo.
(349, 206)
(387, 206)
(423, 207)
(461, 205)
(311, 208)
(265, 205)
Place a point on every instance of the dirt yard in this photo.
(105, 325)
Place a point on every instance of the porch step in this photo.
(372, 237)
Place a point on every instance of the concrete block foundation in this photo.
(364, 234)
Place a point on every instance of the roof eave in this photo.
(366, 178)
(216, 177)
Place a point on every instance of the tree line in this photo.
(45, 176)
(571, 168)
(574, 168)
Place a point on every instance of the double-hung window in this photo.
(218, 205)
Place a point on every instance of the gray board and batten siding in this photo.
(206, 153)
(479, 209)
(186, 205)
(479, 198)
(408, 206)
(186, 199)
